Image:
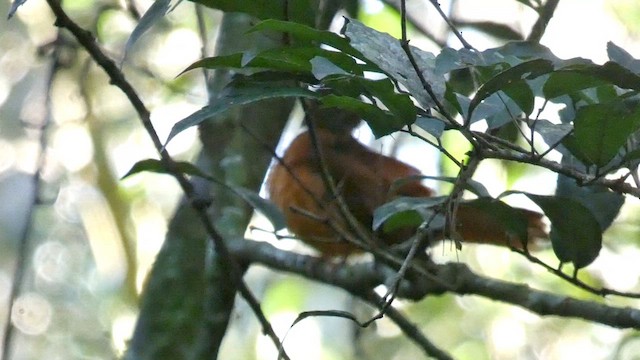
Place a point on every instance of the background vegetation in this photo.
(78, 242)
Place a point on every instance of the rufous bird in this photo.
(365, 180)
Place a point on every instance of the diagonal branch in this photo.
(358, 278)
(546, 13)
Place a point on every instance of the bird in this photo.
(365, 180)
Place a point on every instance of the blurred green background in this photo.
(91, 238)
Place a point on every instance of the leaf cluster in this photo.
(393, 86)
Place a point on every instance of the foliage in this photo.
(509, 79)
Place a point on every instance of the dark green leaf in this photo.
(378, 91)
(292, 59)
(216, 62)
(471, 185)
(522, 95)
(151, 165)
(567, 82)
(618, 75)
(603, 203)
(585, 75)
(15, 4)
(321, 68)
(270, 211)
(433, 126)
(404, 204)
(551, 133)
(236, 96)
(601, 130)
(307, 34)
(524, 50)
(384, 91)
(514, 222)
(156, 11)
(575, 233)
(381, 122)
(622, 57)
(385, 51)
(402, 220)
(631, 156)
(606, 93)
(527, 70)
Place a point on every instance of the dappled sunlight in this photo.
(94, 237)
(31, 313)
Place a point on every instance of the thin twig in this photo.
(419, 21)
(438, 145)
(616, 185)
(453, 28)
(408, 328)
(574, 280)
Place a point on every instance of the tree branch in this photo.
(615, 185)
(546, 13)
(358, 278)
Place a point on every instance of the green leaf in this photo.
(381, 122)
(524, 50)
(432, 125)
(402, 220)
(151, 165)
(603, 203)
(238, 95)
(385, 51)
(477, 188)
(404, 204)
(618, 75)
(601, 130)
(527, 70)
(399, 104)
(270, 211)
(513, 220)
(401, 109)
(522, 95)
(291, 59)
(156, 11)
(622, 57)
(630, 157)
(321, 68)
(489, 109)
(15, 4)
(307, 34)
(381, 90)
(551, 133)
(575, 233)
(575, 77)
(567, 82)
